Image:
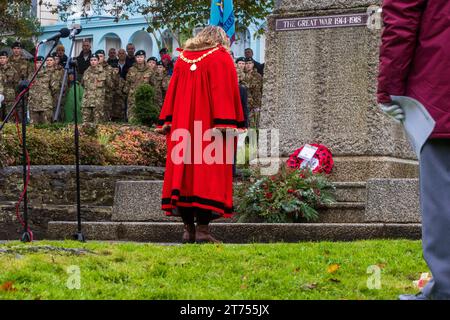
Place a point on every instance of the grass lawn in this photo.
(323, 270)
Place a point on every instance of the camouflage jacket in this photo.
(136, 76)
(9, 80)
(253, 81)
(161, 83)
(22, 66)
(41, 92)
(241, 76)
(95, 83)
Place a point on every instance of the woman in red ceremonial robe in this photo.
(202, 107)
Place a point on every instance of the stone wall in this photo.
(52, 194)
(56, 184)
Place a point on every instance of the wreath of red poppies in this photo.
(322, 161)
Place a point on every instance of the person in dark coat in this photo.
(415, 62)
(258, 66)
(84, 59)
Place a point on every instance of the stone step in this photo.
(342, 212)
(161, 232)
(141, 201)
(351, 191)
(40, 216)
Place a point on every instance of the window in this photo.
(243, 41)
(79, 45)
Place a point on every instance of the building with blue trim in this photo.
(104, 32)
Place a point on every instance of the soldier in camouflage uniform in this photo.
(155, 79)
(138, 74)
(22, 65)
(40, 100)
(161, 84)
(152, 62)
(9, 79)
(112, 79)
(57, 71)
(56, 75)
(118, 110)
(240, 68)
(94, 82)
(253, 82)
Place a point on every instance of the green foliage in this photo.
(147, 112)
(276, 271)
(17, 22)
(290, 196)
(2, 152)
(180, 17)
(103, 145)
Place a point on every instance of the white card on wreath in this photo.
(308, 152)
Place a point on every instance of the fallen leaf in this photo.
(310, 286)
(332, 268)
(8, 286)
(335, 280)
(296, 270)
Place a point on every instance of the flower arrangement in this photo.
(292, 195)
(322, 161)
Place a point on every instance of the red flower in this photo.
(291, 191)
(268, 195)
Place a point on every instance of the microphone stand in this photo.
(79, 236)
(27, 235)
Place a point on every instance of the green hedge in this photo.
(111, 144)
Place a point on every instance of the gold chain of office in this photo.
(193, 62)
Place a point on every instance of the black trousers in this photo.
(188, 214)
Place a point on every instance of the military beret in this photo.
(152, 59)
(95, 55)
(16, 44)
(3, 54)
(100, 52)
(140, 53)
(249, 60)
(240, 59)
(159, 63)
(40, 58)
(54, 54)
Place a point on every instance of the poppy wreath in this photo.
(322, 161)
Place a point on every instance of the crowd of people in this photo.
(106, 85)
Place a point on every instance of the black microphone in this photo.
(63, 33)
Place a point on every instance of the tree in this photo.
(17, 21)
(180, 17)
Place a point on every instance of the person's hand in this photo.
(164, 130)
(394, 111)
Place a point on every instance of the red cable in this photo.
(27, 156)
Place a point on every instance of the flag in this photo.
(222, 14)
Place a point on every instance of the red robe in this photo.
(210, 94)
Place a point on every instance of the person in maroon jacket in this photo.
(415, 62)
